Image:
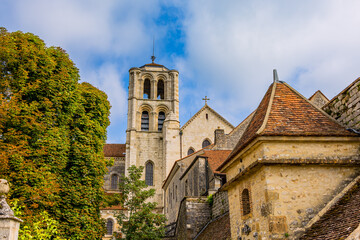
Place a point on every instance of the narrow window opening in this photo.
(145, 121)
(161, 120)
(109, 226)
(245, 198)
(149, 174)
(114, 181)
(147, 89)
(207, 117)
(205, 143)
(160, 89)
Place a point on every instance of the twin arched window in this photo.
(147, 89)
(205, 143)
(245, 201)
(114, 181)
(109, 226)
(149, 173)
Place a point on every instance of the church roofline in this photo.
(318, 91)
(201, 110)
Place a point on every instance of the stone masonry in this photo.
(345, 107)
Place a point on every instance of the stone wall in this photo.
(194, 213)
(220, 204)
(345, 107)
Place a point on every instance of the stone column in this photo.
(9, 224)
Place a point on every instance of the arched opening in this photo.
(144, 121)
(147, 89)
(161, 119)
(160, 89)
(245, 200)
(190, 151)
(109, 226)
(149, 173)
(114, 181)
(205, 143)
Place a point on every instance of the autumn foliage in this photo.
(52, 132)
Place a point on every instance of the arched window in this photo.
(147, 89)
(205, 143)
(160, 89)
(245, 200)
(161, 119)
(149, 174)
(114, 181)
(190, 151)
(109, 226)
(145, 121)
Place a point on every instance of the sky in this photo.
(225, 50)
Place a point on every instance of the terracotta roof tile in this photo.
(216, 157)
(114, 150)
(285, 112)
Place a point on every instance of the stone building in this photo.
(114, 153)
(290, 162)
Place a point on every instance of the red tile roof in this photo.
(285, 112)
(114, 150)
(216, 157)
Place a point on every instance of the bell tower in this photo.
(152, 135)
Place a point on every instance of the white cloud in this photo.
(233, 46)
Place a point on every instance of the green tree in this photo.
(141, 222)
(52, 132)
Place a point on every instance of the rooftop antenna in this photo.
(275, 75)
(153, 56)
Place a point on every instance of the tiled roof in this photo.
(285, 112)
(114, 150)
(340, 220)
(216, 157)
(115, 207)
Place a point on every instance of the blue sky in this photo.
(223, 49)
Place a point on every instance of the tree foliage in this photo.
(52, 132)
(141, 222)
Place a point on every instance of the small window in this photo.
(147, 89)
(145, 121)
(114, 181)
(109, 226)
(205, 143)
(160, 89)
(190, 151)
(245, 199)
(149, 174)
(207, 117)
(161, 120)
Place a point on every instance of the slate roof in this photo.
(340, 220)
(114, 150)
(285, 112)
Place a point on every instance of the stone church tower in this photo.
(152, 135)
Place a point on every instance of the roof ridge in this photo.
(266, 118)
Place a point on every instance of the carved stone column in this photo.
(9, 224)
